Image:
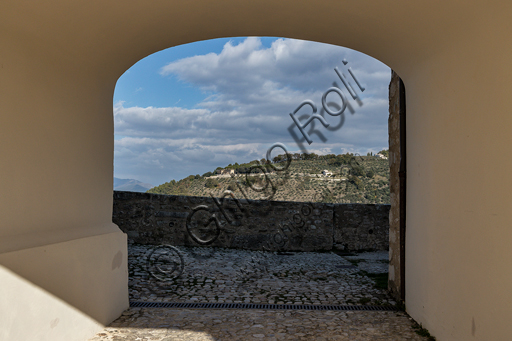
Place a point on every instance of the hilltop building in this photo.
(325, 172)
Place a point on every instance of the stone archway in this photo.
(59, 63)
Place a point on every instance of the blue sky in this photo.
(192, 108)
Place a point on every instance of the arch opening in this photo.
(221, 88)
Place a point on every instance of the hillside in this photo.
(354, 179)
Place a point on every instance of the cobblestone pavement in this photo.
(236, 276)
(239, 276)
(201, 324)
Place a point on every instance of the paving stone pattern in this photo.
(209, 325)
(228, 275)
(242, 276)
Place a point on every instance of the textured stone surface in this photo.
(212, 275)
(361, 227)
(250, 224)
(295, 278)
(223, 324)
(394, 185)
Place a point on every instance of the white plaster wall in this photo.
(57, 240)
(63, 291)
(59, 61)
(459, 217)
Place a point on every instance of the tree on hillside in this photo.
(355, 181)
(211, 183)
(357, 169)
(341, 159)
(277, 159)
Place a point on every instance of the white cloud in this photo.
(254, 90)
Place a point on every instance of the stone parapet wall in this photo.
(250, 224)
(361, 227)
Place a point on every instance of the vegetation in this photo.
(211, 183)
(381, 280)
(354, 179)
(422, 331)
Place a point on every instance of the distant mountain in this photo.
(130, 185)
